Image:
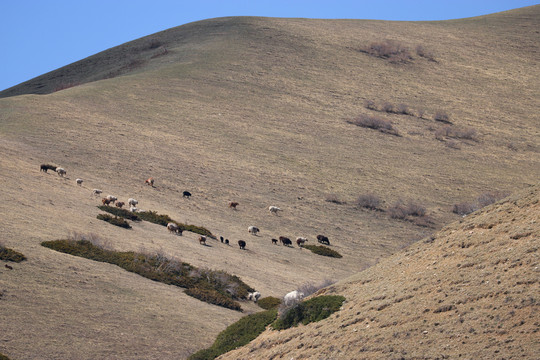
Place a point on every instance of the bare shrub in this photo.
(423, 52)
(403, 109)
(311, 288)
(394, 51)
(374, 122)
(442, 116)
(400, 210)
(94, 239)
(370, 104)
(388, 107)
(456, 132)
(490, 197)
(333, 198)
(368, 201)
(463, 208)
(481, 201)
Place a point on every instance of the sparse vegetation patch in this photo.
(323, 250)
(312, 310)
(118, 221)
(214, 287)
(481, 201)
(8, 254)
(269, 302)
(374, 122)
(368, 201)
(154, 217)
(238, 334)
(391, 50)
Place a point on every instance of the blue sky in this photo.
(38, 36)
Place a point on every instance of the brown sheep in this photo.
(149, 181)
(119, 204)
(202, 240)
(233, 205)
(105, 201)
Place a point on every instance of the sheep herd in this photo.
(175, 229)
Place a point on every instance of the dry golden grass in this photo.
(470, 291)
(252, 110)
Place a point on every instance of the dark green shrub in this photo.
(323, 250)
(8, 254)
(212, 296)
(215, 287)
(126, 214)
(3, 357)
(312, 310)
(269, 302)
(118, 221)
(238, 334)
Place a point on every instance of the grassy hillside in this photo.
(258, 111)
(470, 291)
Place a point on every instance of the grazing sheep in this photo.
(149, 181)
(111, 198)
(221, 238)
(285, 241)
(300, 241)
(79, 181)
(119, 204)
(9, 267)
(132, 202)
(186, 194)
(61, 171)
(173, 228)
(105, 201)
(254, 296)
(133, 209)
(233, 205)
(293, 297)
(202, 240)
(274, 209)
(253, 230)
(96, 192)
(323, 239)
(242, 244)
(45, 167)
(274, 241)
(226, 241)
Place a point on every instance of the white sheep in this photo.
(96, 192)
(274, 209)
(79, 181)
(293, 297)
(61, 171)
(254, 296)
(133, 209)
(111, 198)
(253, 230)
(132, 202)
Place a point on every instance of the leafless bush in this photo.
(403, 109)
(490, 197)
(311, 288)
(481, 201)
(94, 239)
(463, 208)
(442, 116)
(374, 122)
(333, 198)
(368, 201)
(394, 51)
(388, 107)
(370, 104)
(400, 210)
(456, 132)
(453, 144)
(423, 52)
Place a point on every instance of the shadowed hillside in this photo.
(312, 116)
(469, 291)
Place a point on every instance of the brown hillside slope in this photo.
(471, 291)
(251, 110)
